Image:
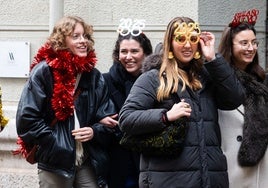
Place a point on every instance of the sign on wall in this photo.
(14, 59)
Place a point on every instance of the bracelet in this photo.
(165, 118)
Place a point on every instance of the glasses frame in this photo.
(244, 44)
(188, 38)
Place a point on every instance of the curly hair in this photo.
(142, 39)
(65, 27)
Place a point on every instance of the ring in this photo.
(187, 106)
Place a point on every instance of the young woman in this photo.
(203, 87)
(245, 129)
(63, 106)
(128, 55)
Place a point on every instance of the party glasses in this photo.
(187, 32)
(182, 39)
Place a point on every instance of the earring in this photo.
(197, 55)
(170, 55)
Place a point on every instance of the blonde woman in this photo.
(189, 68)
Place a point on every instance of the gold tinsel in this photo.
(3, 120)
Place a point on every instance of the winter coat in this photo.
(202, 162)
(56, 152)
(245, 136)
(124, 163)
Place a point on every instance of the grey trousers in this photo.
(84, 178)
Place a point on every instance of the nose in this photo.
(82, 38)
(250, 46)
(187, 44)
(129, 55)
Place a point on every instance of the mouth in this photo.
(187, 53)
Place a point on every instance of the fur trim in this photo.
(151, 62)
(255, 130)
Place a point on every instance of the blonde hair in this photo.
(65, 27)
(170, 74)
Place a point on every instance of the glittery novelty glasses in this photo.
(182, 39)
(186, 32)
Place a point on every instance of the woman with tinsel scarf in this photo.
(65, 110)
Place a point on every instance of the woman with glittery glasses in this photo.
(189, 69)
(245, 129)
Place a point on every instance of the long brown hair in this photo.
(170, 73)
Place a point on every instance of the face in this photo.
(131, 56)
(244, 48)
(184, 52)
(77, 42)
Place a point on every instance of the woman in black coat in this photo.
(128, 54)
(203, 87)
(50, 116)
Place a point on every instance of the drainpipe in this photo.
(56, 11)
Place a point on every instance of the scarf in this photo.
(65, 66)
(255, 129)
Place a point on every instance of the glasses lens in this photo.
(180, 39)
(194, 39)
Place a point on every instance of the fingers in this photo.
(83, 134)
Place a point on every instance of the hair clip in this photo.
(126, 27)
(249, 16)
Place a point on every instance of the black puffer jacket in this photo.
(201, 163)
(56, 144)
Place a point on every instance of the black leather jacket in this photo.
(56, 151)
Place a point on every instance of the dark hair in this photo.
(141, 39)
(226, 49)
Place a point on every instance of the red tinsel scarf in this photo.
(65, 67)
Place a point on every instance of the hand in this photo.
(83, 134)
(207, 42)
(110, 121)
(179, 110)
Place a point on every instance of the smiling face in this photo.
(185, 41)
(77, 42)
(244, 48)
(184, 52)
(131, 56)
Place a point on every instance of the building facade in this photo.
(30, 22)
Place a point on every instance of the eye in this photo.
(180, 38)
(75, 36)
(86, 36)
(243, 43)
(194, 39)
(255, 43)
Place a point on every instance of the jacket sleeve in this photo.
(33, 105)
(229, 91)
(105, 106)
(138, 115)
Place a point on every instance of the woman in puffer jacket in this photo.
(204, 84)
